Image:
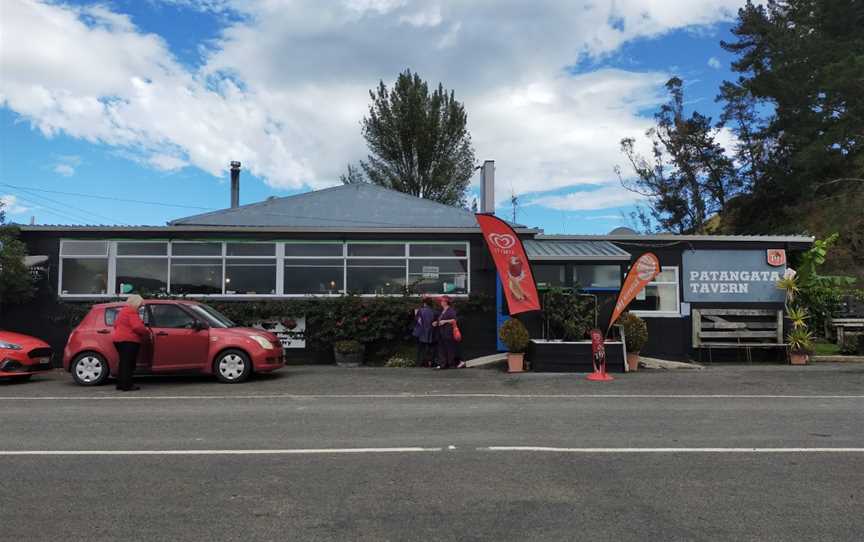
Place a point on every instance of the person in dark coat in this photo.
(424, 332)
(446, 343)
(128, 333)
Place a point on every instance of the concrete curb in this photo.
(838, 359)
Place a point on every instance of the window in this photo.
(250, 276)
(597, 276)
(367, 250)
(142, 268)
(438, 268)
(549, 275)
(200, 268)
(201, 276)
(84, 267)
(111, 315)
(253, 274)
(379, 276)
(319, 276)
(660, 297)
(170, 316)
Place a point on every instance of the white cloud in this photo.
(606, 197)
(713, 62)
(64, 169)
(66, 165)
(11, 205)
(284, 86)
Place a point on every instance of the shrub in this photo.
(635, 332)
(568, 316)
(348, 347)
(800, 341)
(397, 361)
(515, 336)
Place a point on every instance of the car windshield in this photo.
(212, 316)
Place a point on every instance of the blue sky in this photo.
(150, 100)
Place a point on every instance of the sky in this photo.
(129, 111)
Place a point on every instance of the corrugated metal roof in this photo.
(676, 237)
(573, 250)
(348, 207)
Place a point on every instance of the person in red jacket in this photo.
(128, 333)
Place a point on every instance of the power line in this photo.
(65, 204)
(110, 198)
(52, 210)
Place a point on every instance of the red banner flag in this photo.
(512, 264)
(643, 271)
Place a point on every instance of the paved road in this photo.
(730, 453)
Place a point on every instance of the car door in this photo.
(179, 341)
(104, 332)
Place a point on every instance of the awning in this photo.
(538, 250)
(30, 261)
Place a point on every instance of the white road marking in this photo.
(127, 397)
(301, 451)
(409, 449)
(670, 450)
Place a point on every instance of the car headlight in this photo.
(265, 344)
(9, 346)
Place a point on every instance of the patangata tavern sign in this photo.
(731, 276)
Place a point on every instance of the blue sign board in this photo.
(731, 276)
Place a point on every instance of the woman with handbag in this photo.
(448, 335)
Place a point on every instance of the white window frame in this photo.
(109, 286)
(665, 314)
(281, 291)
(280, 257)
(226, 258)
(115, 255)
(467, 259)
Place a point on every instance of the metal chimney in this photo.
(487, 187)
(235, 185)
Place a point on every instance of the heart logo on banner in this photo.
(504, 241)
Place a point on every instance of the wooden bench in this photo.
(737, 328)
(842, 326)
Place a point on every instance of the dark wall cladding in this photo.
(671, 337)
(43, 316)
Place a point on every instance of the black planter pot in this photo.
(573, 357)
(352, 359)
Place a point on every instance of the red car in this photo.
(21, 356)
(185, 336)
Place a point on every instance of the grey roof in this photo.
(573, 250)
(347, 207)
(675, 237)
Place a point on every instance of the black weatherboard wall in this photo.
(671, 337)
(45, 316)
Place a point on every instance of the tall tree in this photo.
(801, 65)
(16, 282)
(688, 178)
(418, 141)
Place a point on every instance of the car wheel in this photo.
(89, 369)
(232, 366)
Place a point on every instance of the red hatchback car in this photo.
(21, 356)
(185, 336)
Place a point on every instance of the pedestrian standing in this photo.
(424, 333)
(128, 333)
(446, 323)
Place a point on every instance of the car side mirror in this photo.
(199, 325)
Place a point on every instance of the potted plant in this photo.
(800, 341)
(348, 353)
(635, 337)
(516, 338)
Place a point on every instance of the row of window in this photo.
(659, 298)
(89, 268)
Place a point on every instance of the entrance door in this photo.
(178, 343)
